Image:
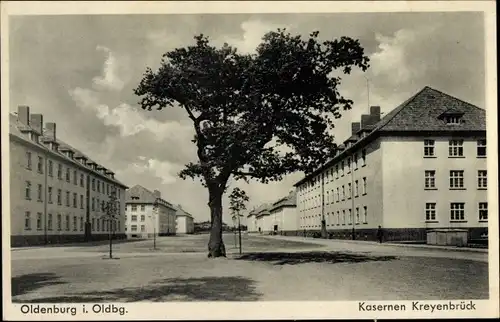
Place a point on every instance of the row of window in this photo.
(340, 169)
(338, 218)
(78, 223)
(455, 148)
(133, 208)
(337, 195)
(457, 211)
(456, 179)
(96, 205)
(100, 186)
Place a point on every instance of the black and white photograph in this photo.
(274, 160)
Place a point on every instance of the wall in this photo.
(405, 194)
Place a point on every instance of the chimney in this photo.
(36, 122)
(365, 120)
(355, 127)
(157, 194)
(375, 113)
(51, 129)
(23, 114)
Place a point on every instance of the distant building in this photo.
(283, 214)
(422, 166)
(56, 191)
(146, 214)
(184, 220)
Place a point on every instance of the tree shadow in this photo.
(29, 282)
(208, 288)
(283, 258)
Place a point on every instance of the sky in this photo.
(80, 72)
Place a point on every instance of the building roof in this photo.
(260, 210)
(140, 195)
(182, 213)
(288, 201)
(421, 113)
(16, 127)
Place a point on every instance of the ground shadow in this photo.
(172, 289)
(282, 258)
(29, 282)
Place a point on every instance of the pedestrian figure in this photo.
(380, 234)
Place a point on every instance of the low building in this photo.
(184, 221)
(420, 167)
(147, 214)
(283, 214)
(57, 192)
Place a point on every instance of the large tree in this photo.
(260, 115)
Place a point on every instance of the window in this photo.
(481, 148)
(457, 211)
(349, 190)
(456, 179)
(81, 223)
(98, 205)
(337, 171)
(355, 161)
(429, 148)
(98, 186)
(27, 220)
(75, 223)
(81, 201)
(483, 211)
(59, 196)
(59, 222)
(49, 194)
(51, 168)
(28, 190)
(143, 218)
(107, 188)
(67, 174)
(39, 195)
(348, 165)
(452, 120)
(143, 228)
(93, 224)
(356, 188)
(67, 199)
(125, 217)
(40, 165)
(134, 218)
(343, 217)
(456, 148)
(118, 225)
(357, 215)
(49, 222)
(143, 207)
(430, 179)
(133, 228)
(93, 204)
(343, 192)
(350, 216)
(365, 215)
(81, 180)
(134, 208)
(482, 180)
(75, 200)
(364, 185)
(430, 211)
(28, 160)
(338, 218)
(363, 158)
(59, 171)
(75, 177)
(67, 222)
(93, 184)
(99, 225)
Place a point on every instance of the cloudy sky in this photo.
(80, 71)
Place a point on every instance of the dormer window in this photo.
(34, 137)
(452, 120)
(452, 117)
(135, 198)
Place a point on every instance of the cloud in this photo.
(165, 170)
(253, 31)
(110, 78)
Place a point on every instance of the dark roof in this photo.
(144, 196)
(182, 212)
(288, 201)
(260, 210)
(420, 113)
(16, 128)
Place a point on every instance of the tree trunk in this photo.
(216, 245)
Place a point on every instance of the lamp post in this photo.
(352, 196)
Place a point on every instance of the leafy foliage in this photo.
(237, 201)
(260, 115)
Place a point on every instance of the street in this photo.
(271, 269)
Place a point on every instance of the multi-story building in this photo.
(147, 214)
(258, 219)
(57, 192)
(422, 166)
(283, 214)
(184, 221)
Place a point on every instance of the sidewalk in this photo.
(374, 243)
